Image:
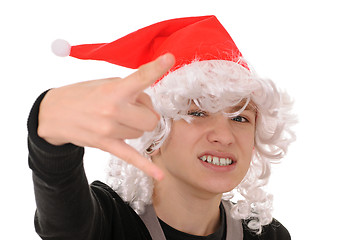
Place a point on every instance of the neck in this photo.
(186, 210)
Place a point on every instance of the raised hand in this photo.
(102, 113)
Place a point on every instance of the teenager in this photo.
(192, 129)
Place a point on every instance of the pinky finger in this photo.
(125, 152)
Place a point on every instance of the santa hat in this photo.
(188, 39)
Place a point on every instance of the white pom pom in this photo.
(61, 48)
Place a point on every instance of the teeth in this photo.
(216, 160)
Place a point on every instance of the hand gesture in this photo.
(102, 113)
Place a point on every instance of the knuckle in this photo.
(108, 111)
(107, 87)
(105, 129)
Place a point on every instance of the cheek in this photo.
(246, 147)
(182, 131)
(182, 136)
(246, 139)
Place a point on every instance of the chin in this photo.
(221, 186)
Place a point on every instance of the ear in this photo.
(150, 151)
(154, 155)
(154, 152)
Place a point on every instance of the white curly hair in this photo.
(214, 85)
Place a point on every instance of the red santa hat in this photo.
(188, 39)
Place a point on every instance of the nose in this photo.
(220, 131)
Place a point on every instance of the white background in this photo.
(311, 48)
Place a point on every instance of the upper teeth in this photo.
(216, 160)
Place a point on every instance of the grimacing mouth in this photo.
(219, 161)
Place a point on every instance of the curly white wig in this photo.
(214, 85)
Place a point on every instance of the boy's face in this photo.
(210, 155)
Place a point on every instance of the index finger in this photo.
(147, 74)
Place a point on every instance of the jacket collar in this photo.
(234, 227)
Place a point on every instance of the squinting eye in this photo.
(197, 113)
(240, 119)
